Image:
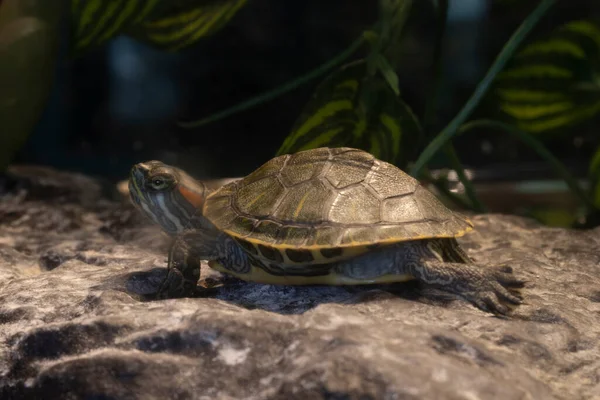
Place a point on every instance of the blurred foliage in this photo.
(168, 24)
(387, 41)
(29, 40)
(543, 88)
(554, 82)
(180, 27)
(359, 105)
(353, 109)
(553, 216)
(29, 36)
(96, 21)
(278, 91)
(445, 136)
(553, 85)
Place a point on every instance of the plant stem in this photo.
(507, 51)
(434, 93)
(464, 179)
(394, 19)
(433, 98)
(540, 149)
(278, 91)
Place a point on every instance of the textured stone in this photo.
(77, 320)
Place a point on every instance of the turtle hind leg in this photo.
(433, 263)
(489, 288)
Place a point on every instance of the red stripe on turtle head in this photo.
(194, 196)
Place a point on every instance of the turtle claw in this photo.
(505, 294)
(494, 306)
(504, 275)
(496, 296)
(486, 301)
(210, 283)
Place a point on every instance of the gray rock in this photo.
(77, 319)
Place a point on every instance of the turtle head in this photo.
(167, 195)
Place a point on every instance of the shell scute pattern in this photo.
(429, 206)
(355, 205)
(400, 209)
(301, 167)
(388, 183)
(226, 215)
(270, 168)
(249, 196)
(324, 199)
(352, 171)
(324, 236)
(267, 229)
(304, 203)
(303, 235)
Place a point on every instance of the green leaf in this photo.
(96, 21)
(349, 109)
(167, 24)
(482, 87)
(388, 73)
(393, 18)
(180, 27)
(553, 82)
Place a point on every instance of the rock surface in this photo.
(77, 320)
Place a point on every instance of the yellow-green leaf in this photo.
(96, 21)
(553, 82)
(181, 27)
(393, 16)
(388, 73)
(349, 109)
(167, 24)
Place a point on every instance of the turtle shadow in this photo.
(282, 299)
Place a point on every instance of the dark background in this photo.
(119, 103)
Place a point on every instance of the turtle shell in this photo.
(328, 200)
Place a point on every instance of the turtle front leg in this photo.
(186, 252)
(183, 272)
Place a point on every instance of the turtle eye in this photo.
(160, 182)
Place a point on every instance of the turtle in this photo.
(323, 216)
